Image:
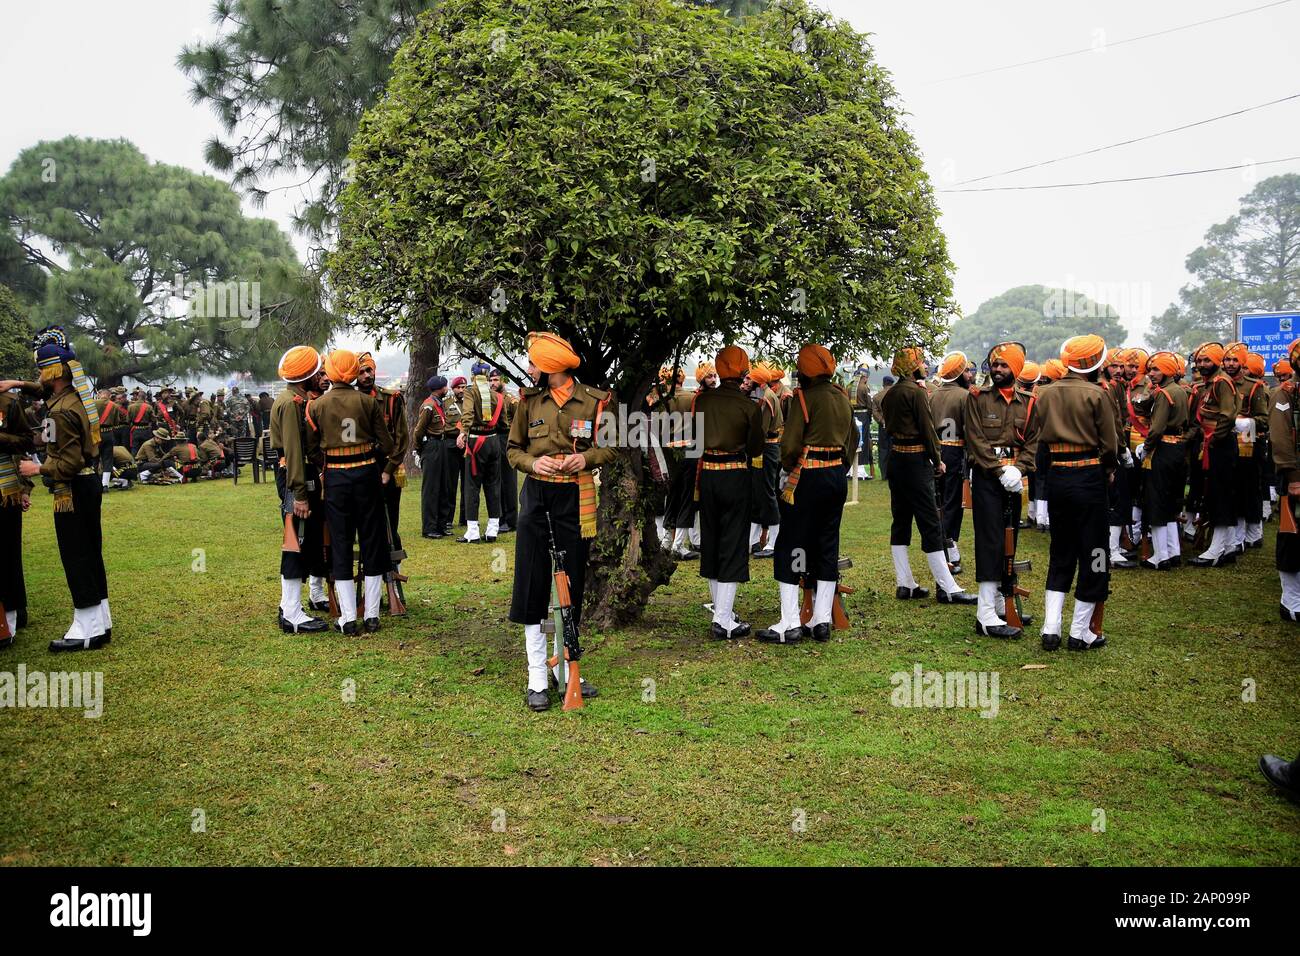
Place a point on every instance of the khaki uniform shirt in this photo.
(906, 407)
(996, 429)
(1217, 404)
(732, 421)
(287, 434)
(394, 407)
(476, 414)
(1076, 411)
(948, 410)
(344, 418)
(72, 449)
(830, 422)
(1282, 432)
(1168, 415)
(540, 428)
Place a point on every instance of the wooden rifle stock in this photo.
(1286, 516)
(1013, 591)
(329, 575)
(5, 633)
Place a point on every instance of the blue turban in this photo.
(435, 383)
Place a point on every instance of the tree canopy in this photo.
(126, 245)
(15, 337)
(1036, 316)
(642, 177)
(1249, 262)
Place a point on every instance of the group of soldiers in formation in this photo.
(1110, 449)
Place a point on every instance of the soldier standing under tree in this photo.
(17, 437)
(393, 404)
(481, 412)
(553, 442)
(508, 488)
(435, 430)
(948, 409)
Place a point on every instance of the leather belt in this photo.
(908, 449)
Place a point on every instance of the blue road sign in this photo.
(1268, 333)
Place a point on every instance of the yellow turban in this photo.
(907, 361)
(341, 366)
(1166, 363)
(1083, 353)
(1053, 369)
(300, 362)
(366, 360)
(815, 360)
(952, 366)
(1210, 350)
(1010, 352)
(704, 370)
(732, 362)
(1030, 372)
(550, 353)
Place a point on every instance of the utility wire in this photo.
(1127, 179)
(1128, 142)
(1144, 36)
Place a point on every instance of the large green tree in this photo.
(644, 178)
(1249, 262)
(1038, 317)
(15, 337)
(288, 81)
(154, 269)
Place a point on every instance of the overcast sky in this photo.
(99, 69)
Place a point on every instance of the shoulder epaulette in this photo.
(599, 394)
(531, 391)
(974, 390)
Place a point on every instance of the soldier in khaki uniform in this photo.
(141, 417)
(1216, 418)
(1163, 459)
(765, 470)
(1075, 419)
(454, 495)
(666, 404)
(553, 443)
(816, 447)
(348, 429)
(298, 481)
(393, 404)
(433, 438)
(110, 417)
(1284, 413)
(69, 470)
(948, 409)
(507, 486)
(733, 437)
(17, 438)
(864, 405)
(914, 460)
(481, 411)
(1001, 452)
(1251, 427)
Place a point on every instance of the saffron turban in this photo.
(341, 366)
(1115, 357)
(1210, 350)
(952, 366)
(299, 363)
(704, 370)
(1030, 373)
(907, 361)
(815, 360)
(1235, 350)
(1166, 363)
(761, 373)
(1012, 353)
(550, 353)
(1137, 357)
(1083, 353)
(667, 375)
(1282, 367)
(1182, 365)
(366, 360)
(732, 362)
(1255, 364)
(1054, 369)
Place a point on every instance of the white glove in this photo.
(1126, 459)
(1141, 452)
(1245, 425)
(1011, 478)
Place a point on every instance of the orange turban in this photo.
(341, 366)
(1137, 357)
(667, 375)
(550, 353)
(1255, 364)
(1010, 352)
(366, 360)
(704, 370)
(1236, 350)
(815, 360)
(952, 366)
(1083, 353)
(1182, 365)
(300, 362)
(1115, 357)
(1210, 350)
(1030, 372)
(1166, 363)
(1053, 369)
(907, 361)
(1282, 367)
(732, 362)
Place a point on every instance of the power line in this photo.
(1129, 142)
(1127, 179)
(1144, 36)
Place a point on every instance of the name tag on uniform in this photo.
(537, 421)
(581, 428)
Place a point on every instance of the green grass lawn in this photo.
(746, 754)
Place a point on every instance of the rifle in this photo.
(1286, 523)
(295, 529)
(839, 617)
(943, 532)
(1012, 591)
(329, 574)
(392, 577)
(563, 627)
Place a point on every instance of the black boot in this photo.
(306, 627)
(351, 628)
(956, 597)
(997, 630)
(1281, 774)
(371, 625)
(1079, 644)
(770, 635)
(821, 633)
(538, 700)
(1051, 642)
(911, 594)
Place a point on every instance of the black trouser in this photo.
(1077, 509)
(885, 445)
(482, 471)
(1287, 556)
(1118, 500)
(531, 598)
(354, 512)
(454, 467)
(724, 524)
(1218, 483)
(989, 503)
(911, 498)
(13, 589)
(81, 543)
(106, 451)
(1245, 489)
(949, 486)
(809, 542)
(139, 435)
(1164, 485)
(679, 505)
(433, 484)
(507, 489)
(312, 560)
(864, 447)
(393, 503)
(762, 500)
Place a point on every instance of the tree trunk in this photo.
(425, 356)
(627, 561)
